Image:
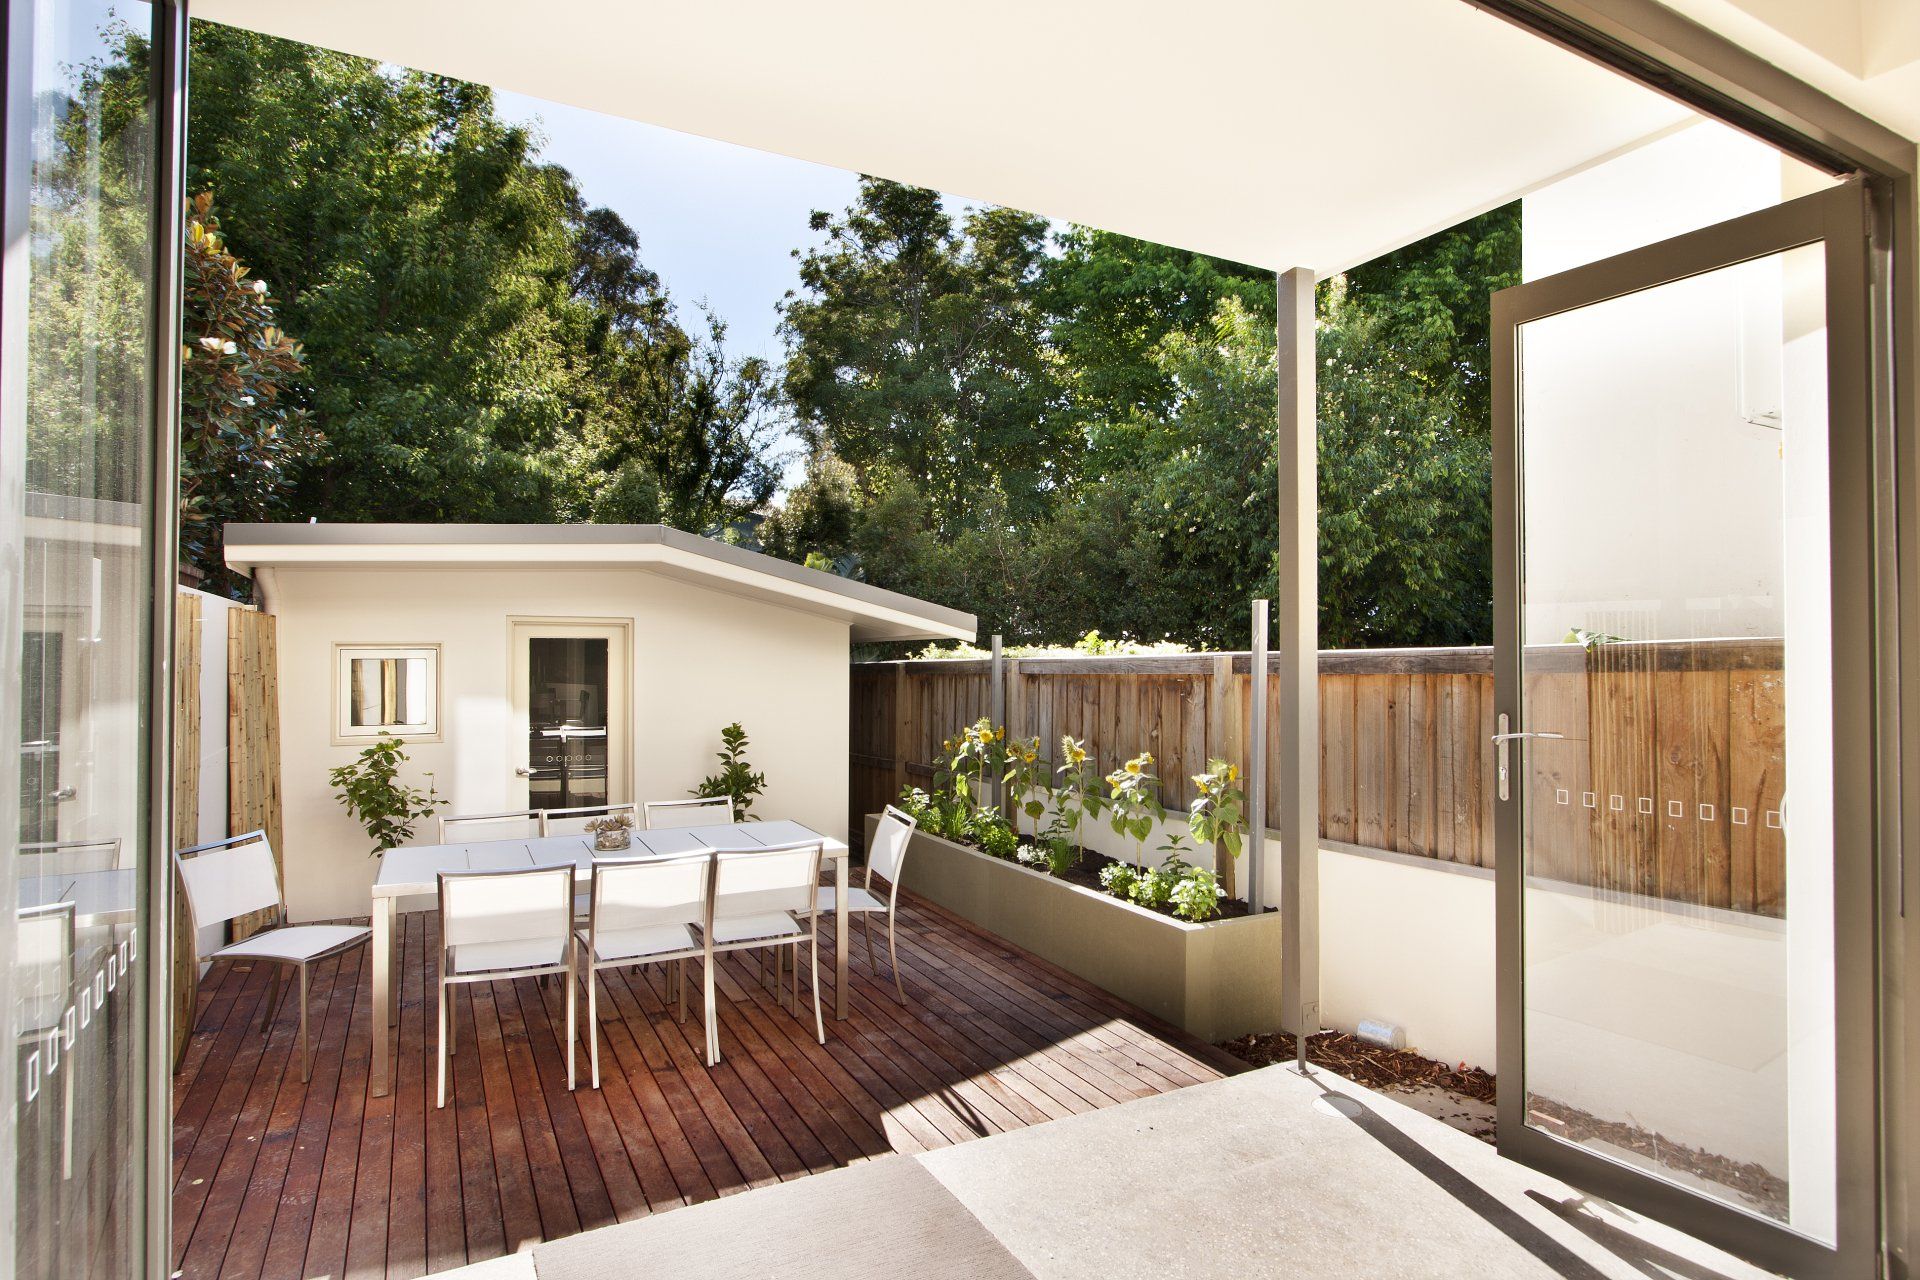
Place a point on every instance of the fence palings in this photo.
(1677, 797)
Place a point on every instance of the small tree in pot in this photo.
(736, 777)
(375, 797)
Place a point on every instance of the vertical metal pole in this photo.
(1299, 565)
(997, 706)
(1257, 755)
(169, 89)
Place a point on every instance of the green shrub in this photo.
(994, 835)
(736, 778)
(1119, 879)
(1197, 896)
(375, 797)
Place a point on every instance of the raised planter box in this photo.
(1215, 980)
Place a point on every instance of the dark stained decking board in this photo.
(273, 1178)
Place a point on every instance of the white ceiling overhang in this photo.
(1280, 133)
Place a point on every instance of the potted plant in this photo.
(612, 832)
(736, 778)
(375, 797)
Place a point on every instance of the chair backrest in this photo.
(711, 812)
(778, 878)
(68, 857)
(43, 967)
(888, 851)
(228, 878)
(529, 906)
(573, 822)
(519, 824)
(632, 893)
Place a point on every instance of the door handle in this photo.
(1500, 741)
(63, 794)
(523, 772)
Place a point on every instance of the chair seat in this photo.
(639, 943)
(295, 942)
(858, 899)
(523, 953)
(769, 926)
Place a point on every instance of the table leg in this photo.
(840, 935)
(384, 1005)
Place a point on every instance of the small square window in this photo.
(386, 689)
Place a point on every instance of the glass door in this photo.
(81, 446)
(1685, 764)
(570, 704)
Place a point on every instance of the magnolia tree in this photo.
(241, 427)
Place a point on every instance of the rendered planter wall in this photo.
(1215, 980)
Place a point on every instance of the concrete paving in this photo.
(1272, 1174)
(1263, 1174)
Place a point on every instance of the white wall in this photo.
(1654, 503)
(1671, 1015)
(701, 658)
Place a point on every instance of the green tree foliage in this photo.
(918, 345)
(1113, 300)
(240, 426)
(481, 344)
(1157, 518)
(420, 254)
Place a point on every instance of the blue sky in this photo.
(716, 221)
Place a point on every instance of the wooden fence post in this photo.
(902, 725)
(997, 713)
(186, 806)
(253, 740)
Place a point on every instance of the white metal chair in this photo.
(765, 898)
(44, 941)
(713, 811)
(69, 857)
(516, 824)
(225, 879)
(643, 911)
(498, 925)
(573, 822)
(885, 856)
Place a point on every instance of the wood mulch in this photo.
(1372, 1065)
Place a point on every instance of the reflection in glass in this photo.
(77, 523)
(1678, 838)
(567, 721)
(388, 692)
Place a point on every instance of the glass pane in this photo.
(1678, 840)
(388, 692)
(567, 721)
(80, 481)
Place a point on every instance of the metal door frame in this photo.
(1841, 220)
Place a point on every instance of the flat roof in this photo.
(873, 613)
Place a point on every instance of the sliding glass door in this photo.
(78, 535)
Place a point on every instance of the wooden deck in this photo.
(273, 1178)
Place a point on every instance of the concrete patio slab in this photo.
(1270, 1173)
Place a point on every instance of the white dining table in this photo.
(415, 870)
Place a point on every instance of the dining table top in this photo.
(415, 869)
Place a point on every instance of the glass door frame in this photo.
(618, 633)
(1839, 219)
